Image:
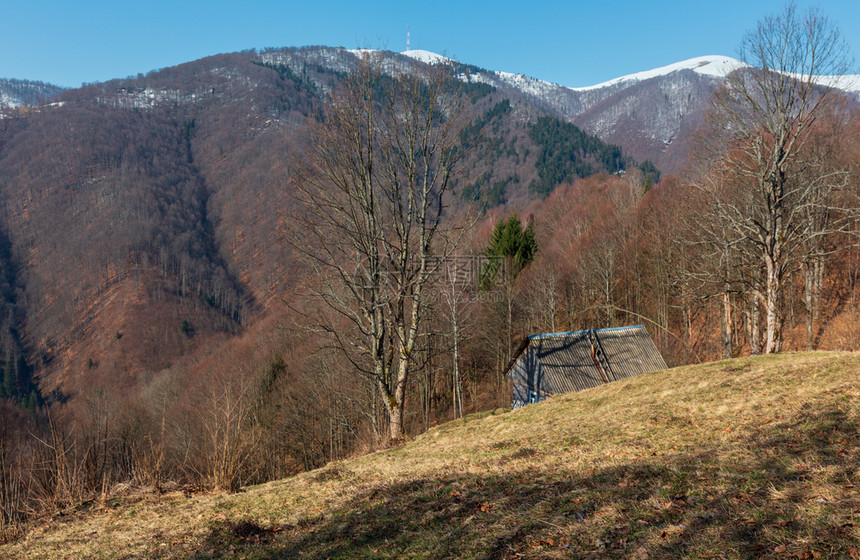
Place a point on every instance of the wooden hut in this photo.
(548, 364)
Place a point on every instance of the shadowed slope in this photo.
(747, 458)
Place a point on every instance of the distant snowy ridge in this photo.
(848, 82)
(715, 65)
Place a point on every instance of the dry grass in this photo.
(748, 458)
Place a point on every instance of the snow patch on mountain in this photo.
(338, 59)
(528, 85)
(361, 52)
(7, 101)
(146, 98)
(20, 93)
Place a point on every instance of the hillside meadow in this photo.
(745, 458)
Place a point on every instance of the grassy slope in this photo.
(747, 458)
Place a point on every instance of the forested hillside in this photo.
(176, 182)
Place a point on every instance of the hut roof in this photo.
(577, 360)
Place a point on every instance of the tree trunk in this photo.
(817, 287)
(773, 321)
(809, 282)
(397, 400)
(509, 341)
(395, 427)
(727, 324)
(455, 327)
(754, 329)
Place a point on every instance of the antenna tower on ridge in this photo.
(407, 38)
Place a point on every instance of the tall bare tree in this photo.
(384, 150)
(758, 184)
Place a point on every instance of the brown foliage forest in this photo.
(156, 325)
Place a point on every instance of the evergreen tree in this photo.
(511, 245)
(511, 249)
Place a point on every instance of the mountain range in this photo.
(650, 114)
(142, 219)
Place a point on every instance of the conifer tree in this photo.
(509, 252)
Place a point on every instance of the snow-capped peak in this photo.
(715, 65)
(427, 57)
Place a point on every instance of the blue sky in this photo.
(574, 43)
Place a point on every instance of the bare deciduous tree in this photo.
(384, 151)
(757, 183)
